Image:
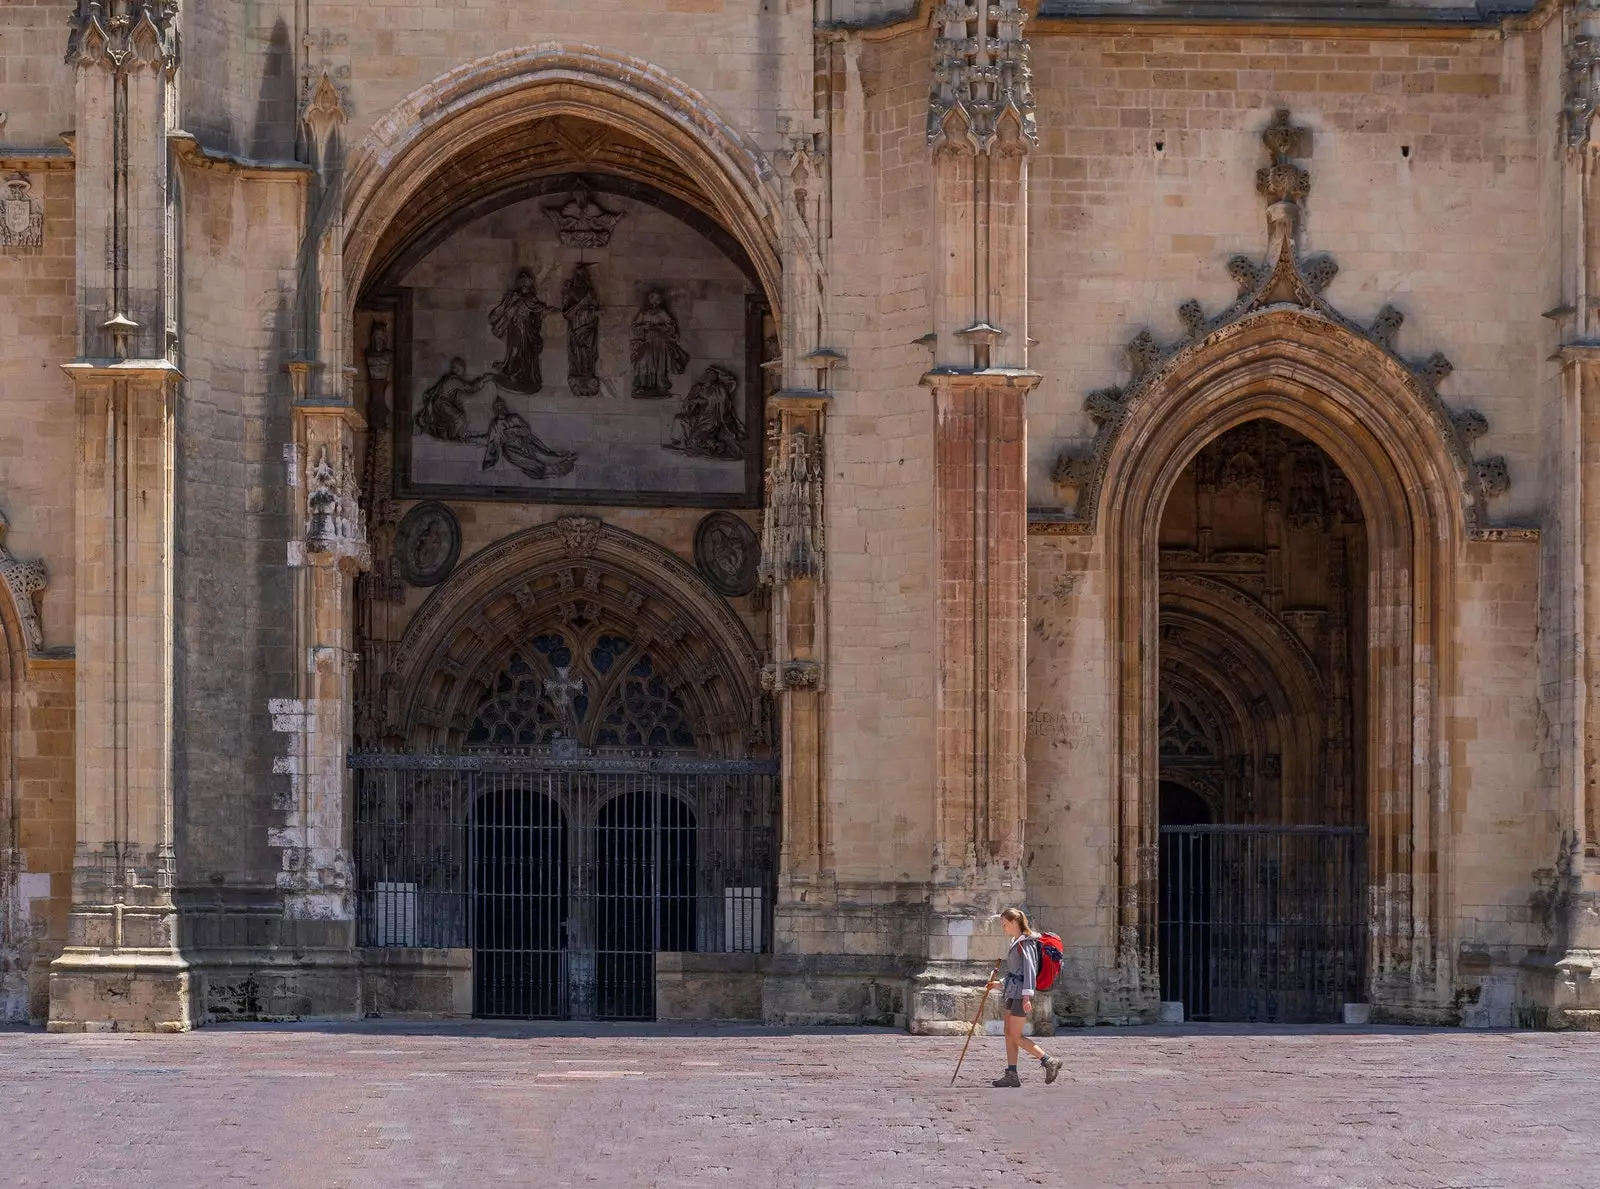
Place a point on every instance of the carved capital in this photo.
(124, 35)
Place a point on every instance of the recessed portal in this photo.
(1261, 732)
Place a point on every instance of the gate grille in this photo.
(565, 876)
(1263, 923)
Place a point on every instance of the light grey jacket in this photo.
(1022, 968)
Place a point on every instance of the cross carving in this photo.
(562, 690)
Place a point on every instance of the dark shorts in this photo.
(1014, 1008)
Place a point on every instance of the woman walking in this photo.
(1022, 973)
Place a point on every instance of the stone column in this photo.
(981, 129)
(121, 968)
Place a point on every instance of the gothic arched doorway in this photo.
(1261, 731)
(571, 779)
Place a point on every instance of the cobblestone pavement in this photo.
(469, 1105)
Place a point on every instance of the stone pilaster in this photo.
(121, 968)
(981, 131)
(1572, 891)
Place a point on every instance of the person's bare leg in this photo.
(1013, 1035)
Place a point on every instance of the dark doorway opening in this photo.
(1261, 726)
(519, 919)
(1185, 890)
(645, 897)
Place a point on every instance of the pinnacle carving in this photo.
(124, 35)
(981, 100)
(1582, 87)
(1283, 278)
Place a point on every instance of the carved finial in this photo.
(1283, 180)
(325, 108)
(124, 35)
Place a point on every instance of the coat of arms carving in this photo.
(21, 214)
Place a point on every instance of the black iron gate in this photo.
(1263, 923)
(565, 876)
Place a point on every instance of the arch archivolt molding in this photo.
(484, 100)
(584, 578)
(1281, 324)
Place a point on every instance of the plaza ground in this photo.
(346, 1107)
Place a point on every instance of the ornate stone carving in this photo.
(728, 552)
(791, 675)
(22, 224)
(578, 534)
(708, 425)
(324, 108)
(124, 35)
(1284, 278)
(1582, 88)
(427, 544)
(333, 507)
(24, 579)
(379, 358)
(580, 306)
(581, 222)
(981, 99)
(655, 352)
(791, 537)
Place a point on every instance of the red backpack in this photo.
(1050, 952)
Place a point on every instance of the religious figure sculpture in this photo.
(580, 305)
(518, 320)
(657, 355)
(510, 435)
(708, 426)
(443, 415)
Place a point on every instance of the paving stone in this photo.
(352, 1106)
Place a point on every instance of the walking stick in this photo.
(982, 1003)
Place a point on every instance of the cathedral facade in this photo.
(685, 509)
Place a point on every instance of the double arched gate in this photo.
(565, 874)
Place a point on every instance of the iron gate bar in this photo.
(1262, 923)
(565, 875)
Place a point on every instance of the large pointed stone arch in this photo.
(416, 141)
(1304, 371)
(577, 569)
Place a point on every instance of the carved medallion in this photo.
(581, 222)
(427, 544)
(728, 552)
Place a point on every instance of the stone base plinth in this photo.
(120, 991)
(944, 999)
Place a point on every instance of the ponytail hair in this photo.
(1020, 917)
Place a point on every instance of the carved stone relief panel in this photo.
(579, 346)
